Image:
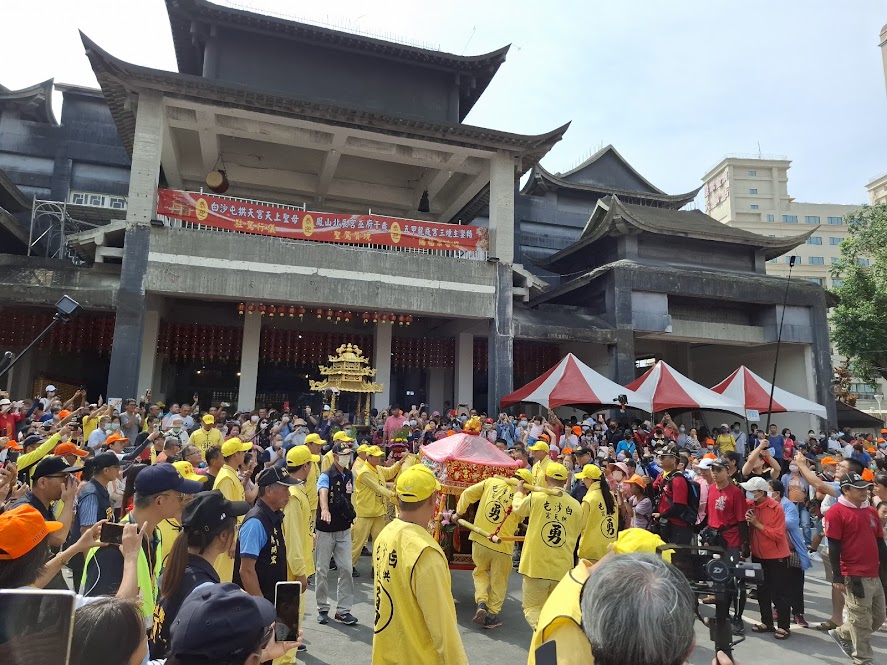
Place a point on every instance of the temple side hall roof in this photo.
(606, 173)
(477, 70)
(612, 217)
(119, 80)
(33, 102)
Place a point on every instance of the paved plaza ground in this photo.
(338, 644)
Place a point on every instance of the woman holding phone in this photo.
(209, 523)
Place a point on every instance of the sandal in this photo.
(826, 626)
(782, 634)
(761, 628)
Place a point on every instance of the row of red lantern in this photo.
(85, 332)
(189, 341)
(530, 358)
(337, 316)
(303, 348)
(422, 352)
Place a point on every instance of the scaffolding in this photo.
(52, 222)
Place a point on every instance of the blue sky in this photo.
(673, 85)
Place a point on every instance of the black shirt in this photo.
(198, 571)
(30, 500)
(104, 571)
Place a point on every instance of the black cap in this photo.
(667, 450)
(855, 480)
(206, 510)
(163, 478)
(220, 623)
(104, 460)
(722, 462)
(581, 450)
(342, 448)
(51, 465)
(274, 475)
(33, 440)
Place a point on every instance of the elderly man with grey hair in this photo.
(631, 590)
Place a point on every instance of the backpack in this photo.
(691, 512)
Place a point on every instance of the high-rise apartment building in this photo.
(752, 193)
(877, 190)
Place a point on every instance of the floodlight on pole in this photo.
(65, 308)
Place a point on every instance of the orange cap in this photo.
(21, 530)
(577, 430)
(112, 438)
(567, 450)
(868, 475)
(14, 445)
(709, 456)
(545, 437)
(69, 448)
(64, 413)
(828, 460)
(638, 480)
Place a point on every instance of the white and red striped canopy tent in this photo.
(745, 386)
(668, 389)
(573, 383)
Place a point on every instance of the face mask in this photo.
(412, 423)
(254, 420)
(285, 419)
(735, 429)
(711, 447)
(115, 426)
(176, 430)
(681, 429)
(107, 427)
(463, 418)
(343, 460)
(617, 475)
(750, 495)
(202, 465)
(792, 467)
(524, 423)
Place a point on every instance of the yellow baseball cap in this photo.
(416, 484)
(209, 419)
(299, 455)
(341, 435)
(539, 445)
(314, 438)
(375, 451)
(232, 446)
(362, 448)
(639, 540)
(187, 471)
(525, 475)
(590, 471)
(557, 471)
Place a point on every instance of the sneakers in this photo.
(365, 552)
(354, 573)
(846, 645)
(348, 619)
(480, 615)
(333, 565)
(814, 556)
(737, 626)
(302, 648)
(492, 621)
(323, 618)
(801, 621)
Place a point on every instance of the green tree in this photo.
(859, 322)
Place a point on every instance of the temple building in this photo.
(293, 188)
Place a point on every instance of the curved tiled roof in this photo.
(183, 12)
(35, 102)
(119, 79)
(613, 217)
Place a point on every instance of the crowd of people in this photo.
(217, 507)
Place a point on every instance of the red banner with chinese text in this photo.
(283, 222)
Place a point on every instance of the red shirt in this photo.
(675, 492)
(858, 529)
(771, 542)
(726, 507)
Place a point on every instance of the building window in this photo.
(98, 200)
(815, 280)
(811, 219)
(835, 259)
(117, 202)
(837, 282)
(753, 206)
(863, 262)
(753, 173)
(773, 261)
(814, 240)
(790, 219)
(753, 190)
(771, 218)
(862, 389)
(836, 221)
(834, 241)
(816, 261)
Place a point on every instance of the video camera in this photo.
(711, 572)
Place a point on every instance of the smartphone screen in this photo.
(287, 596)
(111, 533)
(35, 626)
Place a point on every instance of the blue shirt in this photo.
(777, 443)
(251, 538)
(862, 457)
(88, 510)
(626, 447)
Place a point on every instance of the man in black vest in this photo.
(335, 487)
(260, 561)
(93, 505)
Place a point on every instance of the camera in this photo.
(711, 571)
